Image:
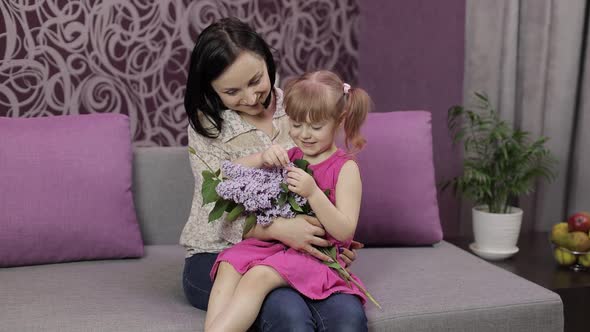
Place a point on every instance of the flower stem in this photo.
(193, 151)
(331, 252)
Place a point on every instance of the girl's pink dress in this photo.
(303, 272)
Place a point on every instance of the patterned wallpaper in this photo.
(60, 57)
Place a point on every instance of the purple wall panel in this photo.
(411, 58)
(61, 57)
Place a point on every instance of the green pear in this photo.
(564, 257)
(559, 234)
(584, 260)
(578, 241)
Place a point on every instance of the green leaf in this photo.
(249, 224)
(218, 210)
(208, 175)
(294, 204)
(208, 190)
(231, 206)
(235, 213)
(304, 165)
(192, 150)
(284, 187)
(282, 198)
(301, 163)
(481, 96)
(331, 252)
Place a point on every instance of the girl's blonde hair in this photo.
(320, 96)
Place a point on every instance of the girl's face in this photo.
(316, 140)
(244, 85)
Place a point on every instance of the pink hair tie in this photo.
(346, 87)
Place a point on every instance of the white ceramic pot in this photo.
(496, 232)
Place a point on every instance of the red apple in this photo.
(579, 221)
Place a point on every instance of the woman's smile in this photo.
(244, 85)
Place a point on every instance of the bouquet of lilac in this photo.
(262, 195)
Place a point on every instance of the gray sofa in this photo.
(437, 288)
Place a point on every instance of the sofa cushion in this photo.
(109, 295)
(163, 187)
(399, 205)
(440, 288)
(66, 190)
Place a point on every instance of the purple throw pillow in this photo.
(399, 205)
(65, 190)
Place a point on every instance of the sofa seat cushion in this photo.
(109, 295)
(421, 289)
(444, 288)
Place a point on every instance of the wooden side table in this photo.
(535, 262)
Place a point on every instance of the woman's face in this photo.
(244, 85)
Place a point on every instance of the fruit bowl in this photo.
(571, 242)
(575, 260)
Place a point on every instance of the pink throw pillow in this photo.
(399, 205)
(65, 190)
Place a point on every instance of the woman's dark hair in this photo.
(217, 47)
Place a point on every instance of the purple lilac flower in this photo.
(256, 189)
(266, 217)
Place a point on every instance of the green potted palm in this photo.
(500, 164)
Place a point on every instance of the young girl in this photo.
(318, 104)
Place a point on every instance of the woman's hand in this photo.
(303, 233)
(348, 256)
(275, 156)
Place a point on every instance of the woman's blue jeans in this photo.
(284, 309)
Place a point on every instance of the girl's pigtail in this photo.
(358, 104)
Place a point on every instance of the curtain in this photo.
(531, 58)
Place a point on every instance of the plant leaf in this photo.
(294, 204)
(301, 163)
(331, 252)
(235, 212)
(481, 96)
(304, 165)
(249, 224)
(282, 198)
(284, 187)
(231, 206)
(207, 174)
(208, 189)
(218, 209)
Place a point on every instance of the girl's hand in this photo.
(300, 182)
(275, 156)
(302, 233)
(348, 256)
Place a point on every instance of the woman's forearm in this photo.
(253, 160)
(265, 233)
(302, 233)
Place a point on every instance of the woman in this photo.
(235, 111)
